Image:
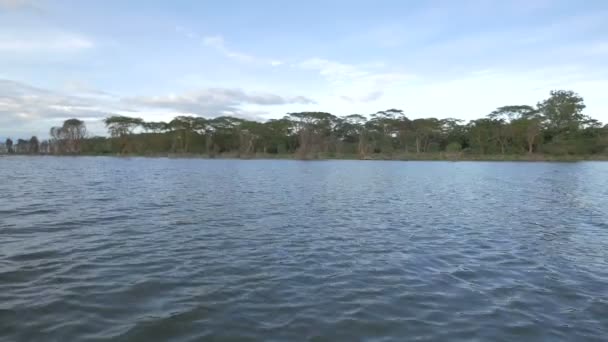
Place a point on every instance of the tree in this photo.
(75, 130)
(453, 134)
(155, 127)
(480, 135)
(121, 127)
(68, 137)
(279, 136)
(250, 133)
(45, 147)
(424, 130)
(556, 126)
(57, 142)
(350, 129)
(9, 145)
(184, 127)
(510, 113)
(387, 128)
(563, 111)
(527, 131)
(314, 130)
(34, 145)
(22, 146)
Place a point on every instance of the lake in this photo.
(185, 249)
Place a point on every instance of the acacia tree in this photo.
(279, 136)
(22, 146)
(121, 127)
(350, 129)
(532, 126)
(517, 124)
(453, 134)
(480, 135)
(9, 145)
(563, 111)
(56, 142)
(155, 127)
(34, 146)
(75, 131)
(424, 131)
(250, 133)
(386, 127)
(68, 138)
(44, 147)
(510, 113)
(557, 126)
(183, 126)
(314, 132)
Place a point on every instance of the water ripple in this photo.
(187, 250)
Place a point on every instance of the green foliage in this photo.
(556, 126)
(9, 145)
(120, 126)
(563, 110)
(453, 147)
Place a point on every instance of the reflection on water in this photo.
(140, 249)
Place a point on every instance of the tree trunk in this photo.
(361, 148)
(209, 145)
(186, 141)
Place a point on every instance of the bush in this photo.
(453, 147)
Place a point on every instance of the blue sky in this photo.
(262, 59)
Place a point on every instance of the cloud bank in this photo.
(24, 107)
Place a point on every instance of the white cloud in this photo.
(218, 43)
(215, 101)
(356, 83)
(83, 88)
(24, 41)
(28, 110)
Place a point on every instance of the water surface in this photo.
(158, 249)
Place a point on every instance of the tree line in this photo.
(554, 126)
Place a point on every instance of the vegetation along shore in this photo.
(555, 129)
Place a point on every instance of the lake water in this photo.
(169, 249)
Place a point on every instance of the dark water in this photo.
(159, 249)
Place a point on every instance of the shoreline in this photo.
(325, 157)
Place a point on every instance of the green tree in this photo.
(22, 146)
(121, 127)
(34, 145)
(453, 134)
(9, 145)
(563, 111)
(314, 130)
(424, 131)
(75, 131)
(556, 126)
(155, 127)
(480, 135)
(68, 138)
(350, 130)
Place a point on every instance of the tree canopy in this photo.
(555, 126)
